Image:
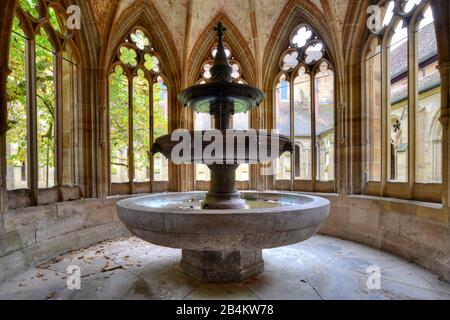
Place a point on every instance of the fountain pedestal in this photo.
(222, 192)
(222, 266)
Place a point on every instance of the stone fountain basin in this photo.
(297, 218)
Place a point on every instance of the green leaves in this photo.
(151, 63)
(128, 56)
(30, 6)
(119, 118)
(16, 135)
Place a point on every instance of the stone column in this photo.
(6, 17)
(444, 69)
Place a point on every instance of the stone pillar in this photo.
(444, 69)
(222, 266)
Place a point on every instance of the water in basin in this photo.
(196, 204)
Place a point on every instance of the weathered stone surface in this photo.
(11, 265)
(50, 228)
(98, 217)
(51, 248)
(89, 236)
(390, 222)
(442, 266)
(26, 216)
(70, 193)
(364, 217)
(19, 198)
(413, 230)
(224, 245)
(9, 242)
(320, 268)
(418, 233)
(222, 266)
(81, 206)
(431, 214)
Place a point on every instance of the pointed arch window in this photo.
(138, 114)
(402, 104)
(42, 132)
(241, 121)
(304, 105)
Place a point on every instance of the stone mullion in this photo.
(33, 158)
(292, 128)
(4, 72)
(412, 101)
(130, 135)
(268, 120)
(6, 17)
(384, 116)
(58, 74)
(313, 132)
(151, 134)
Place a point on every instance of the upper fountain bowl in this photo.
(202, 97)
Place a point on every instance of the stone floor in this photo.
(320, 268)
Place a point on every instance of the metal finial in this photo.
(220, 30)
(221, 69)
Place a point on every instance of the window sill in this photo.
(319, 194)
(431, 205)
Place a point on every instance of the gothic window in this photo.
(304, 111)
(138, 113)
(41, 139)
(402, 103)
(241, 121)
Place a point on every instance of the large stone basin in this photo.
(223, 245)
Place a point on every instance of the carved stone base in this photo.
(230, 201)
(222, 266)
(222, 193)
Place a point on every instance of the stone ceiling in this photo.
(174, 14)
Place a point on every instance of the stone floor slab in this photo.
(320, 268)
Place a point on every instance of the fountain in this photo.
(222, 232)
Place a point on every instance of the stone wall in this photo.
(418, 232)
(34, 235)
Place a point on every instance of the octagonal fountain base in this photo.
(222, 266)
(223, 245)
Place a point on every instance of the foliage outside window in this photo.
(305, 111)
(138, 113)
(402, 131)
(41, 137)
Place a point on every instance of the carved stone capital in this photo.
(444, 69)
